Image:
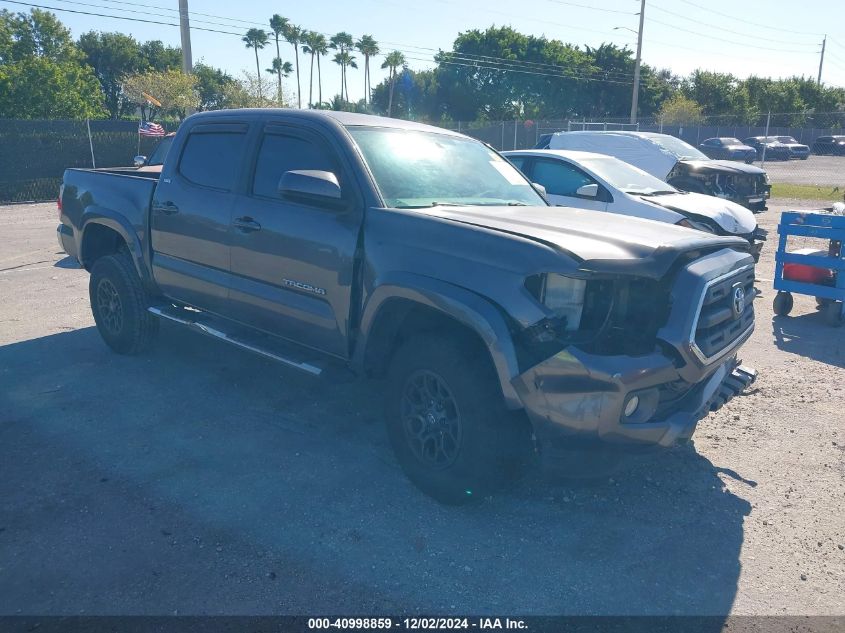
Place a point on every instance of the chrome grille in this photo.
(720, 320)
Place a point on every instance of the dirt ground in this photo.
(203, 480)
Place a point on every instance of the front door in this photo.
(562, 181)
(292, 262)
(191, 214)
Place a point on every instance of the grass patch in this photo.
(807, 192)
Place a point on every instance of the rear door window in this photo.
(213, 159)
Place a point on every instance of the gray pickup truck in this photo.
(388, 248)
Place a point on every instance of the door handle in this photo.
(166, 208)
(247, 224)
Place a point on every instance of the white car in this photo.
(603, 183)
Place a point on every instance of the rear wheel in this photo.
(447, 421)
(119, 303)
(783, 303)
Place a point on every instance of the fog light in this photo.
(631, 406)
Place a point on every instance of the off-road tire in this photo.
(494, 444)
(119, 303)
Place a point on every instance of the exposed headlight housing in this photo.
(565, 297)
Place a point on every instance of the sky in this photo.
(772, 38)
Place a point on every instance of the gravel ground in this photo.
(202, 480)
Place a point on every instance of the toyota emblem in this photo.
(738, 301)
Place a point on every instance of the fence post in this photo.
(502, 146)
(91, 143)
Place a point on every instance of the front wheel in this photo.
(119, 303)
(783, 303)
(447, 422)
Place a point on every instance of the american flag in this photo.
(147, 128)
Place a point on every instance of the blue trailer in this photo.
(829, 292)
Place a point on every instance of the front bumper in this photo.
(577, 398)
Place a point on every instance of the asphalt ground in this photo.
(203, 480)
(823, 171)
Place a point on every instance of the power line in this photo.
(590, 7)
(722, 39)
(753, 24)
(727, 30)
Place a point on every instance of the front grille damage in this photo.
(727, 312)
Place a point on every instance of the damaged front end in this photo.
(636, 360)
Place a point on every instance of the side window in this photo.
(559, 179)
(212, 159)
(280, 153)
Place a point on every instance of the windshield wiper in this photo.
(652, 193)
(431, 204)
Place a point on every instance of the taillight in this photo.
(59, 200)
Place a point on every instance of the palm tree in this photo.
(308, 48)
(368, 47)
(344, 60)
(321, 47)
(342, 42)
(278, 24)
(255, 39)
(293, 36)
(280, 69)
(393, 61)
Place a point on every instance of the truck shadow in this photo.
(293, 482)
(808, 335)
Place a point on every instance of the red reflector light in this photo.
(807, 274)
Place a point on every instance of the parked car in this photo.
(796, 149)
(728, 148)
(775, 150)
(678, 163)
(332, 241)
(829, 145)
(603, 183)
(156, 160)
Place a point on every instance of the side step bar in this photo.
(738, 381)
(184, 319)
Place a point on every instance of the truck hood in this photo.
(600, 242)
(733, 218)
(723, 166)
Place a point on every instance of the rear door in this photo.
(191, 215)
(292, 262)
(562, 181)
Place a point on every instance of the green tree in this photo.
(175, 90)
(680, 110)
(368, 47)
(113, 56)
(342, 42)
(278, 24)
(212, 85)
(255, 39)
(392, 62)
(293, 36)
(280, 69)
(160, 57)
(42, 72)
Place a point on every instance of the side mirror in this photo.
(139, 161)
(541, 190)
(311, 186)
(588, 191)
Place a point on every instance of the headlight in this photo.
(565, 297)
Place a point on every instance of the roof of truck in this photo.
(347, 119)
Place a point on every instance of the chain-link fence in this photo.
(34, 154)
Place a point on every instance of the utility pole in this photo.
(636, 96)
(185, 31)
(821, 62)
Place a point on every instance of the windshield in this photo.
(625, 177)
(421, 169)
(677, 147)
(731, 141)
(160, 152)
(786, 139)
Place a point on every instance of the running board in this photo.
(183, 317)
